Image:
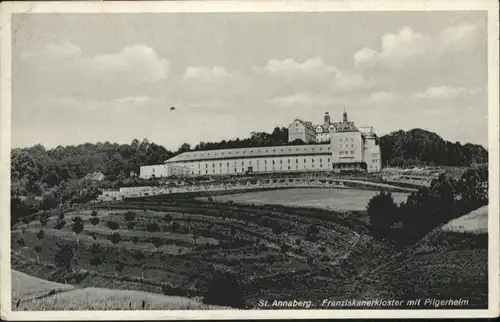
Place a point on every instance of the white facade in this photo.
(298, 158)
(304, 131)
(162, 171)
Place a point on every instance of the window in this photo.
(265, 161)
(288, 161)
(304, 160)
(288, 167)
(296, 160)
(328, 160)
(352, 146)
(273, 161)
(312, 160)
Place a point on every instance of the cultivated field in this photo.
(332, 199)
(174, 245)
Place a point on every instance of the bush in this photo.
(382, 212)
(224, 290)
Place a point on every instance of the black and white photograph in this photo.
(248, 159)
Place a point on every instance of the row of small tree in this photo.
(429, 207)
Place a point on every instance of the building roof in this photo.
(305, 123)
(269, 151)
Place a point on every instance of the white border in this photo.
(6, 9)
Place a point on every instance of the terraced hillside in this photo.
(171, 245)
(175, 244)
(444, 265)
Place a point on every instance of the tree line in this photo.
(429, 207)
(44, 178)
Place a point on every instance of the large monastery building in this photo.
(350, 148)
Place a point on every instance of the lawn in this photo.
(331, 199)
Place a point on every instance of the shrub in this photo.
(113, 225)
(224, 290)
(40, 234)
(382, 211)
(129, 216)
(94, 221)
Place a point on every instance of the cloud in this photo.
(384, 97)
(410, 45)
(99, 76)
(206, 74)
(445, 92)
(290, 68)
(305, 98)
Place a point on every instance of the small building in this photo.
(301, 130)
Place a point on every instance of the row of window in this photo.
(346, 152)
(347, 146)
(321, 166)
(205, 165)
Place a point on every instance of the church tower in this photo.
(345, 116)
(327, 120)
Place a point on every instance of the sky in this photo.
(80, 78)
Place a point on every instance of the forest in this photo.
(44, 178)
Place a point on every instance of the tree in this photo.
(26, 221)
(96, 249)
(382, 212)
(94, 213)
(96, 261)
(129, 216)
(135, 239)
(130, 225)
(224, 290)
(38, 250)
(22, 243)
(152, 228)
(77, 227)
(94, 221)
(113, 225)
(283, 250)
(139, 257)
(119, 266)
(157, 242)
(167, 218)
(60, 224)
(114, 238)
(43, 220)
(41, 234)
(63, 256)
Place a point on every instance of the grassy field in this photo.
(27, 287)
(275, 251)
(474, 222)
(34, 294)
(332, 199)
